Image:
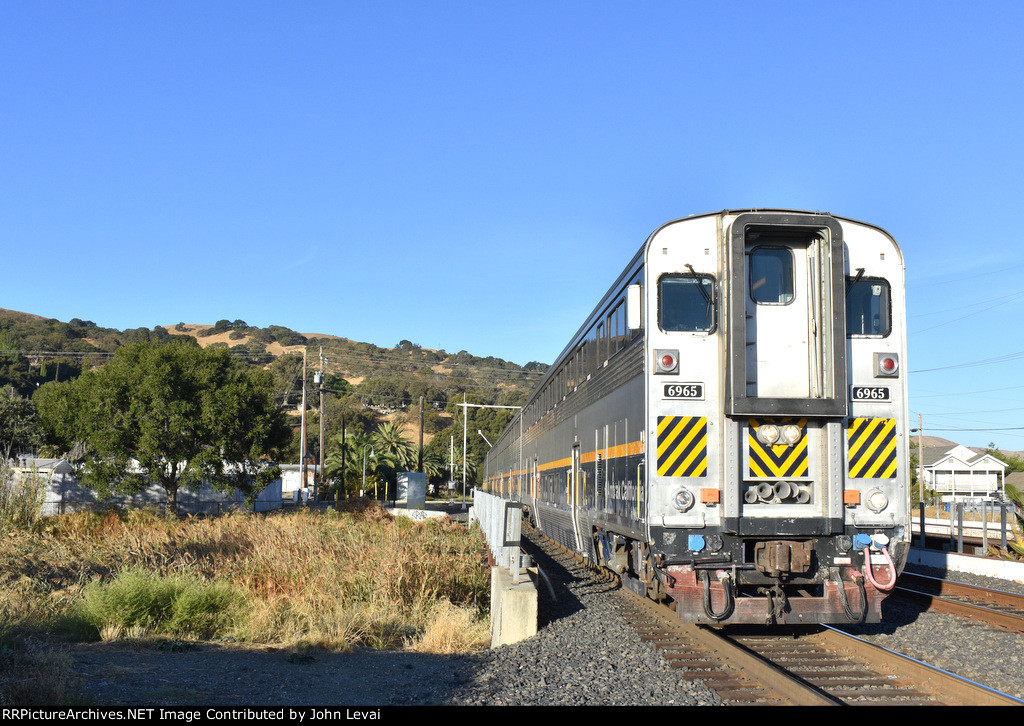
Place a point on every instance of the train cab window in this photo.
(868, 309)
(686, 303)
(771, 275)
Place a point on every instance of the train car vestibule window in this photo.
(686, 303)
(868, 308)
(771, 275)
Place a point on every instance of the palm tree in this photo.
(435, 464)
(347, 459)
(392, 447)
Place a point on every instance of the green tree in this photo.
(175, 414)
(435, 464)
(19, 430)
(392, 446)
(394, 452)
(16, 373)
(348, 460)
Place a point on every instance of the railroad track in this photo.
(808, 666)
(799, 667)
(979, 604)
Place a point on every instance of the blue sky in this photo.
(472, 175)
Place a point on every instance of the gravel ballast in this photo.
(584, 654)
(980, 653)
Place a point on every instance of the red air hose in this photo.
(871, 576)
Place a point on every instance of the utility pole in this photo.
(320, 382)
(419, 466)
(920, 461)
(465, 420)
(302, 444)
(344, 488)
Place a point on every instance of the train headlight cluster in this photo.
(768, 434)
(683, 499)
(791, 434)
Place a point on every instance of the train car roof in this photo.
(630, 269)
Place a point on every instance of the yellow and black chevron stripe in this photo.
(872, 448)
(770, 462)
(682, 445)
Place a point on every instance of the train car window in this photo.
(868, 308)
(616, 325)
(771, 275)
(588, 354)
(686, 303)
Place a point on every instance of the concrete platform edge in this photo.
(953, 562)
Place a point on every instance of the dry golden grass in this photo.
(452, 629)
(335, 580)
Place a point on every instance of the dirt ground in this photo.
(170, 674)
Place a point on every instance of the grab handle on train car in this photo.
(870, 575)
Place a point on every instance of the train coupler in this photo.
(777, 603)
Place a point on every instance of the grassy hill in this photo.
(367, 383)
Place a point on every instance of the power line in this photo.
(346, 355)
(987, 361)
(1009, 298)
(996, 300)
(967, 413)
(1006, 428)
(967, 393)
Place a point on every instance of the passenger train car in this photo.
(728, 428)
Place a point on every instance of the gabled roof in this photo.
(30, 462)
(931, 455)
(936, 457)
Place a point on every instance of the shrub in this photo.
(138, 601)
(21, 501)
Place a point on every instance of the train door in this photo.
(779, 338)
(576, 495)
(534, 482)
(786, 336)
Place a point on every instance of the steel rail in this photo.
(994, 607)
(735, 673)
(956, 690)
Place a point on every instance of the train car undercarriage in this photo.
(784, 585)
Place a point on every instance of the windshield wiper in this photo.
(850, 283)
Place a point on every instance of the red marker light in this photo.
(666, 361)
(887, 365)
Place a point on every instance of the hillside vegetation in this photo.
(366, 386)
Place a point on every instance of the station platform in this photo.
(969, 564)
